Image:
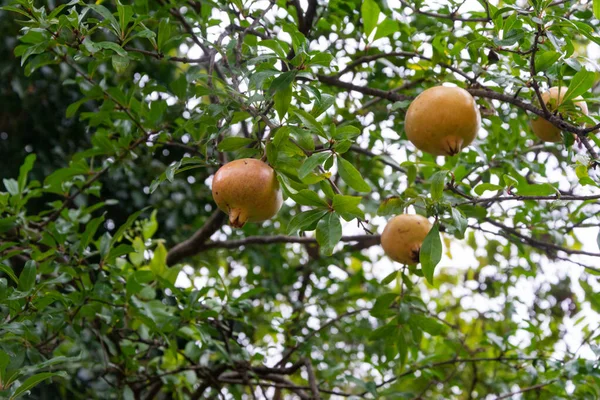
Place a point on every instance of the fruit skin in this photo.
(402, 237)
(247, 189)
(442, 120)
(546, 130)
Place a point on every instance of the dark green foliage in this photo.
(119, 279)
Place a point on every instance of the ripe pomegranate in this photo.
(402, 237)
(442, 120)
(247, 189)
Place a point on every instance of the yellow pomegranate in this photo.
(247, 189)
(442, 120)
(402, 237)
(554, 100)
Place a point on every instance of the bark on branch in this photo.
(193, 245)
(198, 243)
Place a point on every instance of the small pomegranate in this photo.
(544, 129)
(402, 237)
(247, 190)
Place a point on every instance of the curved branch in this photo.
(527, 389)
(538, 243)
(195, 243)
(372, 57)
(499, 199)
(452, 362)
(556, 121)
(388, 95)
(198, 242)
(251, 240)
(160, 56)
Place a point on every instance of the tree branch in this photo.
(252, 240)
(408, 54)
(538, 243)
(527, 389)
(194, 244)
(312, 380)
(451, 362)
(498, 199)
(388, 95)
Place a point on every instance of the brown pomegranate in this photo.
(402, 237)
(247, 189)
(442, 120)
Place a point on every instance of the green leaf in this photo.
(4, 361)
(232, 143)
(33, 50)
(12, 186)
(351, 176)
(24, 171)
(427, 324)
(346, 132)
(383, 331)
(381, 308)
(107, 15)
(27, 277)
(370, 15)
(7, 224)
(460, 223)
(322, 104)
(510, 38)
(329, 232)
(390, 278)
(158, 264)
(16, 10)
(323, 59)
(276, 46)
(150, 226)
(164, 33)
(438, 182)
(480, 189)
(306, 197)
(281, 135)
(179, 86)
(34, 380)
(126, 226)
(347, 207)
(391, 206)
(120, 63)
(581, 83)
(125, 13)
(597, 9)
(310, 122)
(8, 271)
(114, 47)
(304, 220)
(431, 252)
(282, 101)
(90, 231)
(402, 346)
(545, 60)
(387, 27)
(312, 162)
(283, 82)
(538, 189)
(72, 109)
